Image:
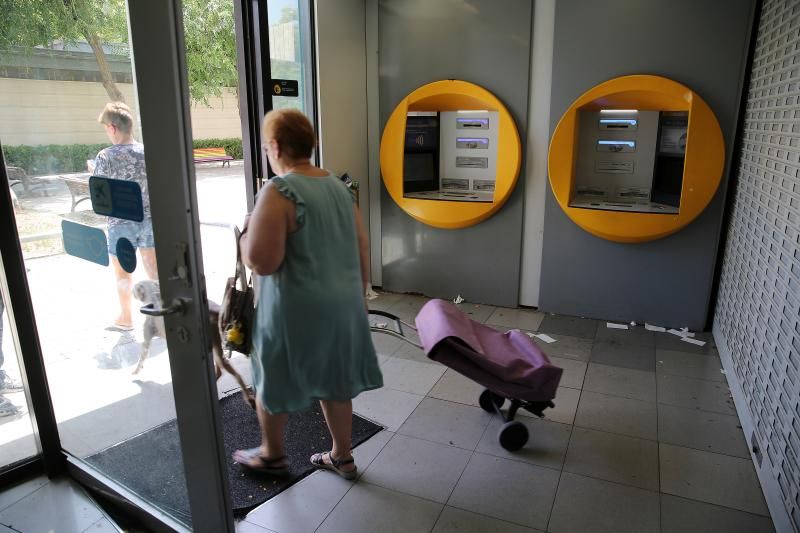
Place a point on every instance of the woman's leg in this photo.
(272, 431)
(124, 287)
(339, 416)
(149, 261)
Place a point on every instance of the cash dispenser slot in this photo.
(628, 124)
(472, 123)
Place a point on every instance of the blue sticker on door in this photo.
(126, 255)
(85, 242)
(116, 198)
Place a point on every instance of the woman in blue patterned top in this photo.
(124, 160)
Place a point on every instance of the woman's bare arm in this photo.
(263, 242)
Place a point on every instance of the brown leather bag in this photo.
(237, 311)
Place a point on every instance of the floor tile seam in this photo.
(24, 497)
(329, 513)
(617, 366)
(620, 483)
(396, 491)
(452, 490)
(624, 344)
(10, 528)
(729, 413)
(616, 433)
(457, 403)
(750, 459)
(619, 395)
(563, 463)
(667, 373)
(567, 335)
(499, 519)
(523, 462)
(726, 507)
(658, 455)
(100, 520)
(723, 506)
(424, 395)
(266, 529)
(438, 517)
(439, 442)
(432, 363)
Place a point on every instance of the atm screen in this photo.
(420, 172)
(422, 133)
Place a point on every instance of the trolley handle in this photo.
(398, 327)
(397, 321)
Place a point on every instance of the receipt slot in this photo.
(636, 158)
(450, 154)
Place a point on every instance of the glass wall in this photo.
(17, 439)
(69, 110)
(290, 51)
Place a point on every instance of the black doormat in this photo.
(151, 465)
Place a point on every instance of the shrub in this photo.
(51, 158)
(66, 158)
(233, 147)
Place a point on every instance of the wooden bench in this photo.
(78, 185)
(208, 155)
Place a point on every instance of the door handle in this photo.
(178, 305)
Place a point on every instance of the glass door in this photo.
(98, 131)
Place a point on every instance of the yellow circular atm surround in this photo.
(703, 163)
(450, 95)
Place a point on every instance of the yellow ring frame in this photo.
(703, 164)
(450, 95)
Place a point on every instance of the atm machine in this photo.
(636, 158)
(450, 155)
(630, 160)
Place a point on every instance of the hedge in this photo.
(64, 158)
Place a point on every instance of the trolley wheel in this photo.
(488, 400)
(513, 436)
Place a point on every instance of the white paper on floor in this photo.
(458, 299)
(650, 327)
(542, 337)
(381, 325)
(613, 325)
(680, 333)
(693, 341)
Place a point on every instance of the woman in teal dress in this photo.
(311, 341)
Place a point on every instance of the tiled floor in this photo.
(58, 505)
(643, 438)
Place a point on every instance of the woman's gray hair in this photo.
(117, 114)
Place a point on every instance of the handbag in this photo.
(237, 311)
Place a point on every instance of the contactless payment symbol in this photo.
(126, 255)
(85, 242)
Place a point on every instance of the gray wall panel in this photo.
(486, 43)
(757, 319)
(696, 43)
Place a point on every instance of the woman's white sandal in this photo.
(318, 460)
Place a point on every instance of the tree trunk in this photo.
(105, 72)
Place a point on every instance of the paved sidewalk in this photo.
(97, 401)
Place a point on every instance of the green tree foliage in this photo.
(27, 23)
(209, 36)
(210, 47)
(288, 14)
